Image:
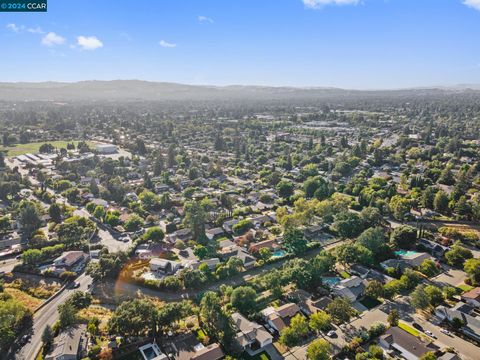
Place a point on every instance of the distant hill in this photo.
(136, 90)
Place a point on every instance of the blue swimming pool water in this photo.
(279, 253)
(405, 252)
(331, 280)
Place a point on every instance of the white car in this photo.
(446, 332)
(429, 333)
(331, 333)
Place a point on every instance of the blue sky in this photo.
(360, 44)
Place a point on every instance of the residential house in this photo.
(187, 347)
(313, 306)
(352, 288)
(211, 263)
(471, 325)
(449, 356)
(403, 344)
(279, 318)
(69, 259)
(369, 274)
(214, 232)
(472, 297)
(395, 264)
(228, 225)
(434, 248)
(70, 344)
(266, 244)
(413, 258)
(151, 351)
(247, 259)
(163, 266)
(251, 336)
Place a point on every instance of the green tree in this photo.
(217, 323)
(393, 317)
(99, 212)
(419, 298)
(319, 349)
(435, 295)
(133, 318)
(440, 202)
(404, 237)
(242, 226)
(154, 234)
(351, 253)
(244, 299)
(472, 268)
(67, 315)
(399, 207)
(429, 356)
(341, 310)
(320, 321)
(374, 240)
(29, 217)
(374, 289)
(458, 254)
(347, 224)
(294, 241)
(55, 212)
(285, 189)
(47, 336)
(195, 218)
(133, 223)
(428, 268)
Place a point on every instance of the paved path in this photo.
(48, 315)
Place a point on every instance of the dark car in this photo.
(75, 285)
(417, 326)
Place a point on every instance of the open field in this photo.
(33, 147)
(25, 299)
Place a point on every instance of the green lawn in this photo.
(261, 356)
(33, 148)
(465, 288)
(345, 275)
(408, 328)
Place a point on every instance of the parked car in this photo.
(446, 332)
(417, 326)
(332, 333)
(429, 333)
(75, 285)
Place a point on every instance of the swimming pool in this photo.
(279, 253)
(331, 280)
(406, 253)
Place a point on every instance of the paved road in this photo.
(467, 350)
(7, 265)
(47, 316)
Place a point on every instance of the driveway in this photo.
(451, 277)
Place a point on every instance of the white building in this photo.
(106, 148)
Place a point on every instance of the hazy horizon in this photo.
(347, 44)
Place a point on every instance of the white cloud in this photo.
(36, 30)
(472, 3)
(166, 44)
(21, 28)
(52, 39)
(317, 4)
(204, 19)
(89, 42)
(15, 28)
